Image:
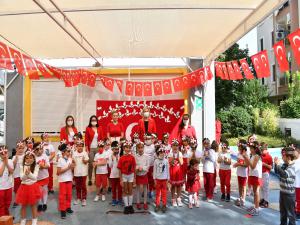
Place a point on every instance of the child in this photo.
(142, 167)
(6, 171)
(149, 150)
(135, 140)
(267, 164)
(193, 183)
(49, 150)
(81, 159)
(165, 144)
(224, 160)
(161, 176)
(127, 166)
(29, 191)
(287, 176)
(43, 176)
(65, 165)
(176, 175)
(100, 162)
(114, 175)
(255, 174)
(18, 160)
(241, 172)
(194, 153)
(215, 146)
(208, 160)
(186, 154)
(297, 180)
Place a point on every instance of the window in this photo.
(272, 38)
(261, 44)
(263, 81)
(274, 72)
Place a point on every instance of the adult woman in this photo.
(67, 132)
(93, 134)
(115, 129)
(146, 124)
(185, 129)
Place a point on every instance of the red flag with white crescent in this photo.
(225, 71)
(219, 70)
(177, 84)
(186, 83)
(42, 69)
(66, 77)
(5, 60)
(257, 63)
(231, 71)
(138, 89)
(194, 79)
(157, 87)
(208, 72)
(120, 85)
(167, 86)
(265, 63)
(108, 83)
(129, 88)
(202, 77)
(236, 67)
(16, 55)
(294, 39)
(84, 77)
(245, 67)
(147, 86)
(57, 72)
(280, 54)
(91, 80)
(31, 69)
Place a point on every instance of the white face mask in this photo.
(146, 114)
(148, 142)
(70, 123)
(185, 122)
(94, 123)
(136, 140)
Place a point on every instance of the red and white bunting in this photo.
(31, 69)
(16, 55)
(129, 88)
(157, 86)
(147, 86)
(138, 89)
(5, 59)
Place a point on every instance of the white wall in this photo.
(293, 124)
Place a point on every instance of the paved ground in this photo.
(217, 213)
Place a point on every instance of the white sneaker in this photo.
(179, 202)
(209, 200)
(174, 203)
(83, 202)
(190, 205)
(96, 199)
(23, 222)
(242, 202)
(103, 198)
(197, 204)
(76, 202)
(34, 221)
(216, 191)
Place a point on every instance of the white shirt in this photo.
(94, 143)
(142, 161)
(18, 164)
(68, 175)
(173, 155)
(224, 166)
(161, 169)
(150, 152)
(257, 171)
(70, 136)
(81, 169)
(43, 173)
(31, 178)
(297, 172)
(187, 153)
(209, 161)
(6, 181)
(48, 150)
(101, 158)
(113, 164)
(241, 171)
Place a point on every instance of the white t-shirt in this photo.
(48, 150)
(17, 166)
(257, 171)
(70, 136)
(224, 166)
(68, 175)
(297, 172)
(81, 169)
(31, 178)
(113, 164)
(94, 143)
(101, 158)
(241, 171)
(6, 180)
(150, 152)
(43, 173)
(178, 155)
(209, 161)
(187, 153)
(142, 161)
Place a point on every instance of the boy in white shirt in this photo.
(81, 159)
(100, 163)
(149, 150)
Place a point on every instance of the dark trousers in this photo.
(287, 209)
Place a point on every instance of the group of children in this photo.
(148, 166)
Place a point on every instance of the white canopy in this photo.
(135, 28)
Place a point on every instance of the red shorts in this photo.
(242, 181)
(255, 181)
(142, 180)
(101, 180)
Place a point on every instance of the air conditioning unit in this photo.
(280, 35)
(280, 27)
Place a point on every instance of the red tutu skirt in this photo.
(176, 175)
(28, 194)
(43, 182)
(193, 187)
(142, 180)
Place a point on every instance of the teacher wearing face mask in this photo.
(185, 129)
(67, 132)
(146, 124)
(115, 129)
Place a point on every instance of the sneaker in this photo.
(63, 214)
(83, 203)
(254, 212)
(223, 197)
(76, 202)
(215, 191)
(109, 190)
(131, 210)
(265, 204)
(126, 210)
(70, 211)
(156, 209)
(237, 202)
(114, 202)
(242, 203)
(103, 198)
(197, 204)
(190, 205)
(96, 199)
(209, 200)
(51, 192)
(34, 221)
(250, 209)
(174, 203)
(150, 195)
(261, 202)
(90, 183)
(15, 205)
(145, 206)
(297, 216)
(138, 206)
(40, 208)
(179, 202)
(23, 222)
(164, 209)
(45, 207)
(228, 198)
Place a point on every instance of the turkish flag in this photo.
(280, 54)
(42, 69)
(129, 88)
(31, 69)
(257, 63)
(5, 61)
(186, 83)
(236, 67)
(119, 84)
(225, 71)
(167, 86)
(202, 77)
(177, 84)
(265, 63)
(84, 76)
(219, 70)
(157, 86)
(66, 77)
(245, 67)
(208, 72)
(194, 79)
(231, 71)
(147, 88)
(56, 71)
(91, 81)
(294, 39)
(75, 74)
(138, 88)
(108, 83)
(16, 55)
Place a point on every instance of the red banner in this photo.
(166, 114)
(247, 72)
(280, 54)
(5, 61)
(294, 39)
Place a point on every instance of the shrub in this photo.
(290, 108)
(269, 121)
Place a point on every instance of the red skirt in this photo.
(184, 167)
(28, 194)
(254, 181)
(193, 188)
(43, 182)
(142, 180)
(176, 175)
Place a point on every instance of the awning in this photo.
(118, 28)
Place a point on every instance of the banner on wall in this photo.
(166, 114)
